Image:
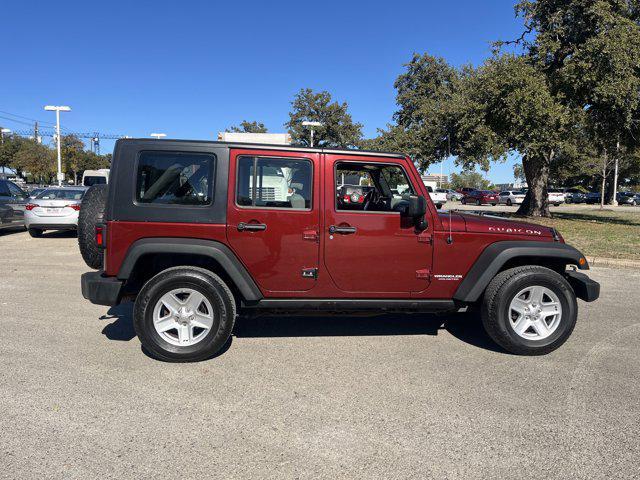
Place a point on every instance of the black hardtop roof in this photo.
(264, 146)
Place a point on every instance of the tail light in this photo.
(30, 206)
(75, 206)
(101, 236)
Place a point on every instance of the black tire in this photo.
(438, 206)
(509, 203)
(463, 201)
(35, 232)
(91, 213)
(478, 203)
(498, 297)
(493, 204)
(207, 283)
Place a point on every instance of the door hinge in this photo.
(310, 273)
(311, 235)
(424, 274)
(424, 238)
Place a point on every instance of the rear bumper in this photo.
(101, 290)
(584, 288)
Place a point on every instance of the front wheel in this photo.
(529, 310)
(35, 232)
(463, 201)
(478, 203)
(509, 203)
(184, 314)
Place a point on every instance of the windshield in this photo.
(60, 194)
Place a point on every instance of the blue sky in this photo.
(191, 69)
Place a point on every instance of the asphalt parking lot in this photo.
(362, 397)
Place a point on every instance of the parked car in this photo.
(511, 197)
(439, 196)
(55, 208)
(465, 190)
(194, 256)
(452, 195)
(555, 196)
(480, 197)
(628, 198)
(13, 201)
(574, 195)
(592, 197)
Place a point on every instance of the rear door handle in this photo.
(251, 227)
(342, 230)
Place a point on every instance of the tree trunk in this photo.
(605, 163)
(536, 171)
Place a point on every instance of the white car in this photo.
(55, 208)
(556, 196)
(511, 197)
(439, 197)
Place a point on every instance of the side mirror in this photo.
(416, 206)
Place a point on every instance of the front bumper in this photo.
(101, 290)
(584, 288)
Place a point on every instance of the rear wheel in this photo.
(184, 314)
(509, 203)
(35, 232)
(529, 310)
(478, 202)
(463, 201)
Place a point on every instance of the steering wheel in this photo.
(370, 197)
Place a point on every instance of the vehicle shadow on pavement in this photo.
(121, 329)
(463, 326)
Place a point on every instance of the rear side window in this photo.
(274, 183)
(174, 178)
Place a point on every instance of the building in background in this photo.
(436, 179)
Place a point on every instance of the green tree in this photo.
(338, 128)
(589, 51)
(248, 127)
(73, 156)
(520, 109)
(470, 179)
(8, 149)
(35, 161)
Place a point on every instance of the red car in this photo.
(197, 232)
(480, 197)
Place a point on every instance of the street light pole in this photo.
(58, 109)
(312, 124)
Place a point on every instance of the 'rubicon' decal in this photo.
(525, 231)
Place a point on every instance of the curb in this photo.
(613, 262)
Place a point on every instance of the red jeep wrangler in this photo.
(196, 231)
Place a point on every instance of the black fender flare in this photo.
(208, 248)
(492, 259)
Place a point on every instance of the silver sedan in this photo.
(54, 209)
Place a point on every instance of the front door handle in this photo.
(251, 227)
(342, 230)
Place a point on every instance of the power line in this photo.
(27, 118)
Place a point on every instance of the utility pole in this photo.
(615, 175)
(58, 109)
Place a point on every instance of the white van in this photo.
(95, 177)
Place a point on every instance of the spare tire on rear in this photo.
(91, 214)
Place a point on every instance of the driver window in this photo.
(371, 187)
